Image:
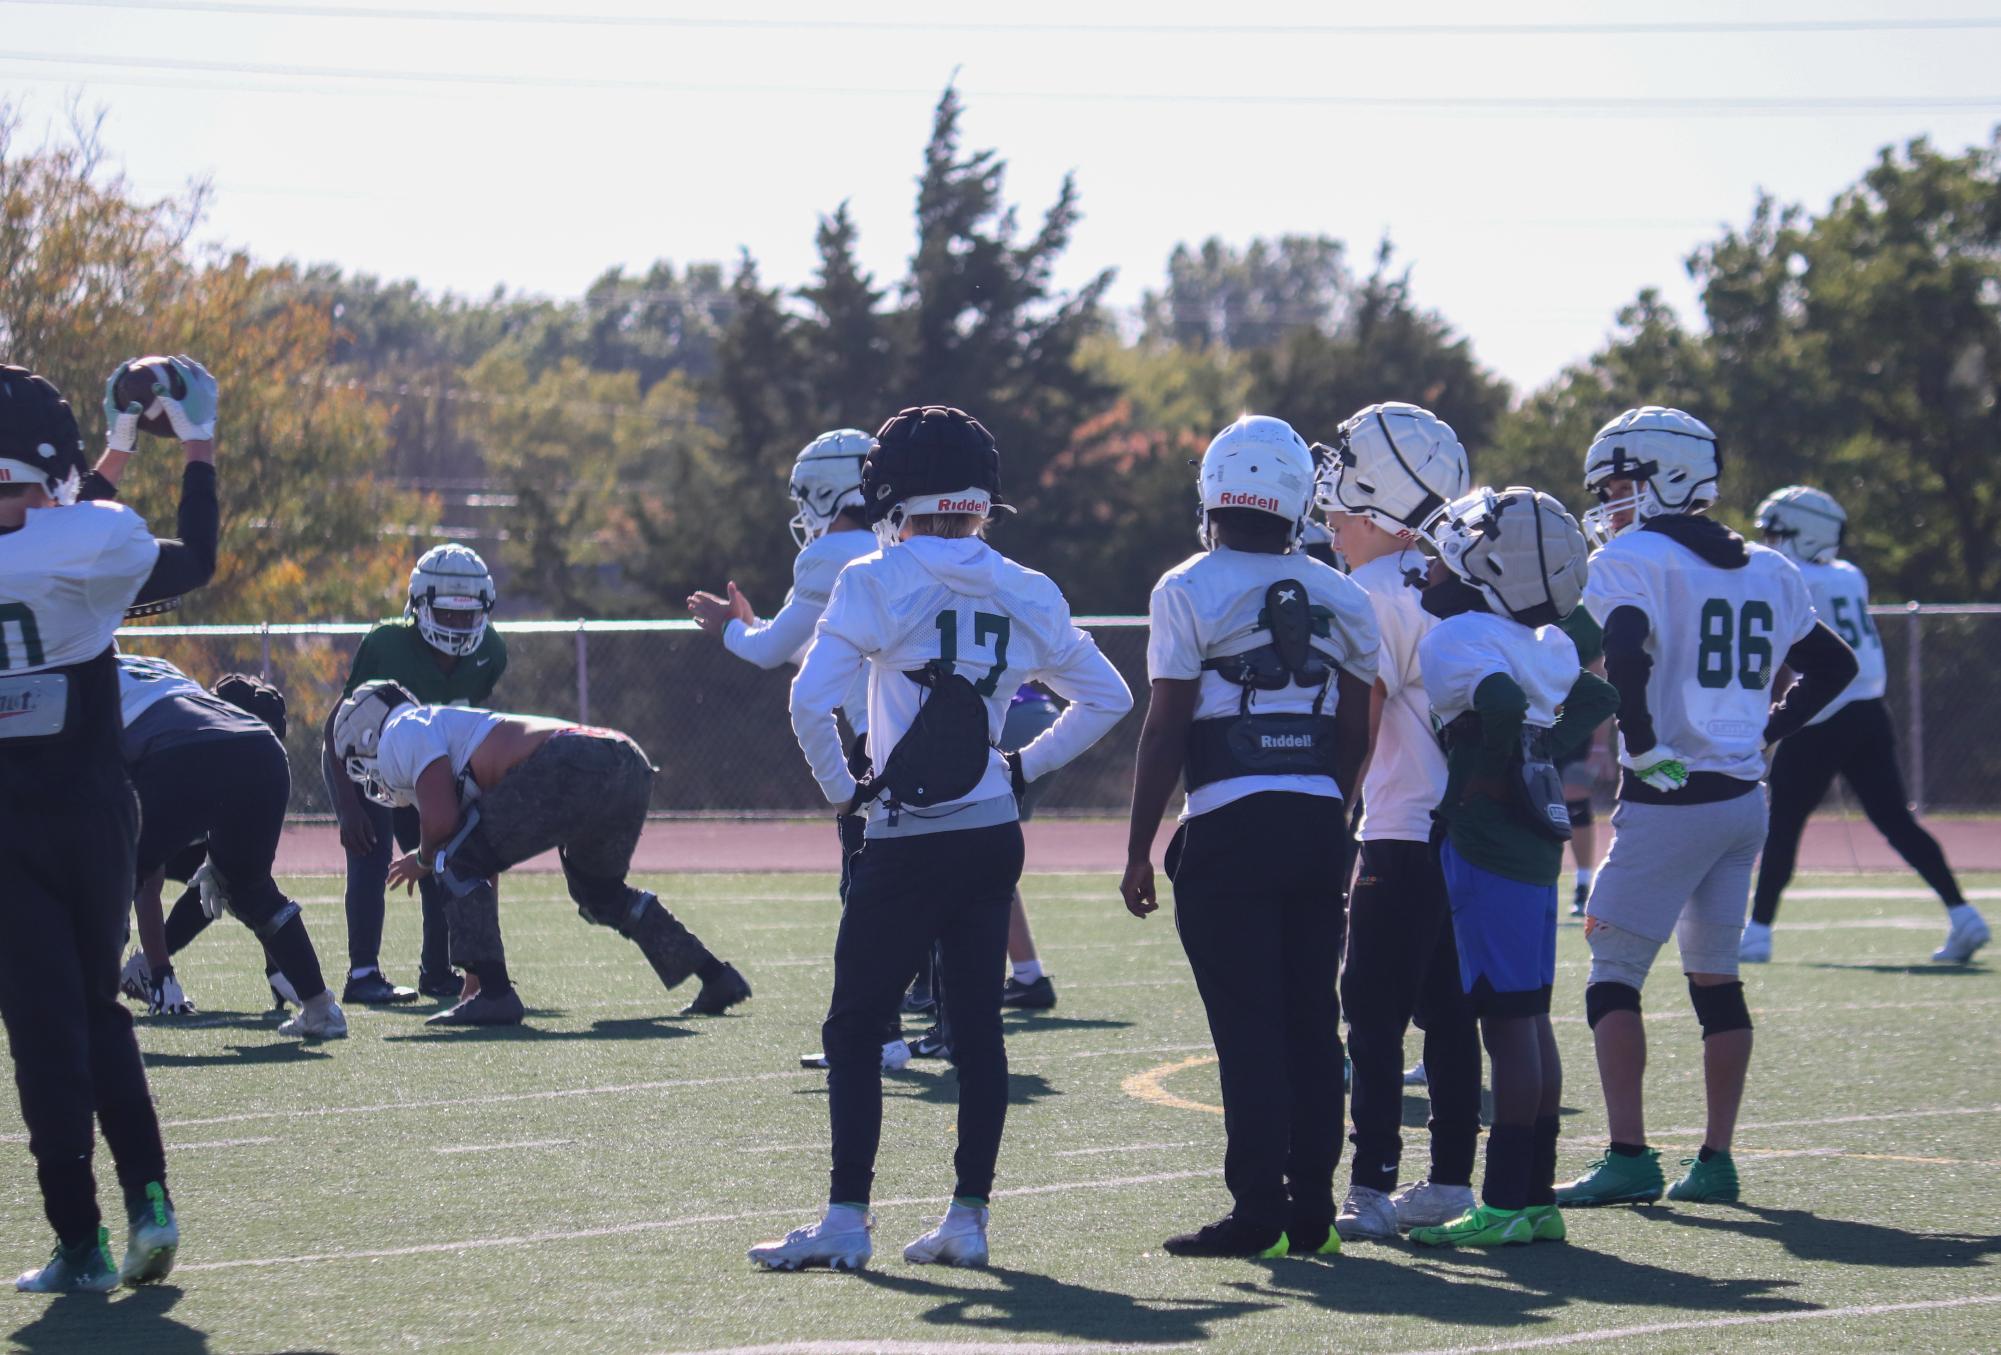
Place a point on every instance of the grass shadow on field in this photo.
(1926, 967)
(280, 1049)
(94, 1322)
(604, 1028)
(942, 1086)
(1030, 1023)
(1024, 1302)
(1810, 1237)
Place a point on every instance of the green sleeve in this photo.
(1592, 701)
(1502, 705)
(496, 668)
(1586, 634)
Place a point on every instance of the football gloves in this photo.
(121, 424)
(192, 416)
(1659, 767)
(165, 997)
(213, 888)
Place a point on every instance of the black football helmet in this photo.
(39, 440)
(254, 696)
(925, 455)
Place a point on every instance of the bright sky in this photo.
(1535, 182)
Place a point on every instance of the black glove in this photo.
(851, 827)
(1013, 761)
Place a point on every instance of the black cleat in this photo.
(1039, 996)
(1227, 1237)
(375, 990)
(482, 1009)
(932, 1044)
(719, 994)
(1578, 899)
(448, 984)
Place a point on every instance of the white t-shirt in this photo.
(784, 638)
(66, 578)
(144, 682)
(1463, 651)
(1716, 637)
(895, 610)
(417, 736)
(1208, 607)
(1407, 772)
(1841, 598)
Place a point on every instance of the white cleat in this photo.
(136, 979)
(1756, 945)
(839, 1241)
(1968, 934)
(1414, 1076)
(960, 1239)
(1426, 1204)
(895, 1056)
(1366, 1216)
(317, 1020)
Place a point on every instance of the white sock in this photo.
(1584, 876)
(955, 1212)
(1027, 971)
(842, 1217)
(362, 972)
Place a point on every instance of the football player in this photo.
(67, 575)
(491, 790)
(209, 772)
(1697, 623)
(1582, 766)
(1851, 736)
(946, 629)
(1261, 659)
(830, 530)
(1390, 466)
(442, 652)
(1505, 685)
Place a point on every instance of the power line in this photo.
(1596, 105)
(1643, 27)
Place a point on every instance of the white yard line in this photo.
(925, 1348)
(219, 1143)
(1128, 1148)
(506, 1147)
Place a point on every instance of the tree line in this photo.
(636, 438)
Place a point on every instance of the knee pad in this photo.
(1719, 1007)
(274, 922)
(1601, 999)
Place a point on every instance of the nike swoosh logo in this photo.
(481, 663)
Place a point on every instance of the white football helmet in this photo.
(1518, 546)
(1670, 457)
(1258, 462)
(826, 478)
(1802, 523)
(451, 592)
(357, 734)
(1392, 463)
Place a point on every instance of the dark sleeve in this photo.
(499, 665)
(1627, 667)
(95, 488)
(1501, 704)
(187, 563)
(1826, 665)
(1591, 702)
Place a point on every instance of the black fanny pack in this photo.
(943, 754)
(1253, 744)
(1532, 785)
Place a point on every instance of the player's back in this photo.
(1841, 597)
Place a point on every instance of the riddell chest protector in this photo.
(1253, 743)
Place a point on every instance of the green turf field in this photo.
(590, 1183)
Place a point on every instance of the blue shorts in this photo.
(1506, 932)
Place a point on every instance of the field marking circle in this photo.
(1147, 1086)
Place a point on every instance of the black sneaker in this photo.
(1039, 996)
(919, 1001)
(719, 994)
(482, 1009)
(448, 984)
(1579, 899)
(374, 989)
(932, 1044)
(1227, 1237)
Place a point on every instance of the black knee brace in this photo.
(1603, 998)
(1719, 1007)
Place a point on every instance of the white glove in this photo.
(1660, 767)
(214, 890)
(193, 415)
(166, 997)
(121, 422)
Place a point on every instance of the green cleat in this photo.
(154, 1239)
(1616, 1179)
(1711, 1182)
(83, 1269)
(1546, 1223)
(1481, 1226)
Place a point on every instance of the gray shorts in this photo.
(1026, 720)
(1674, 870)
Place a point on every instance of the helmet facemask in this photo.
(452, 625)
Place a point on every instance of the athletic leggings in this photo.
(1855, 742)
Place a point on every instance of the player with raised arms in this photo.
(1261, 659)
(945, 628)
(68, 572)
(1697, 622)
(1851, 736)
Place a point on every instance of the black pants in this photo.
(1856, 743)
(367, 889)
(904, 893)
(66, 881)
(1258, 903)
(1402, 963)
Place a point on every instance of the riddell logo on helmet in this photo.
(1233, 499)
(962, 506)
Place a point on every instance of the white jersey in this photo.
(1841, 597)
(417, 736)
(1463, 651)
(66, 578)
(1209, 607)
(143, 683)
(1407, 774)
(784, 638)
(895, 610)
(1716, 637)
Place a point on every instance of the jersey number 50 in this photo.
(1736, 645)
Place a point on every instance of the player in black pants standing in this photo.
(68, 571)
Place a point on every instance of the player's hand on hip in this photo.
(1659, 767)
(711, 613)
(1137, 888)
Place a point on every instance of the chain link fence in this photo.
(718, 727)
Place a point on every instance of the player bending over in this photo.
(945, 628)
(490, 791)
(1850, 737)
(1261, 660)
(1696, 624)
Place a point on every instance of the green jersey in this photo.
(394, 650)
(1586, 634)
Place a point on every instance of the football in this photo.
(142, 381)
